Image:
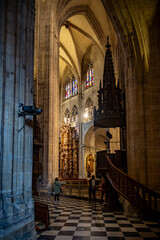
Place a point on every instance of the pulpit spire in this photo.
(109, 112)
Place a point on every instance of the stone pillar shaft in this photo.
(16, 84)
(47, 88)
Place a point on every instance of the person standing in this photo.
(92, 189)
(102, 189)
(57, 189)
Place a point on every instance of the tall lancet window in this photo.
(71, 88)
(74, 86)
(68, 90)
(90, 78)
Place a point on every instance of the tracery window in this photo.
(67, 116)
(89, 77)
(74, 115)
(88, 111)
(75, 86)
(71, 88)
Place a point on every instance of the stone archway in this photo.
(134, 32)
(135, 44)
(93, 142)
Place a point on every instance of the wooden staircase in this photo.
(137, 194)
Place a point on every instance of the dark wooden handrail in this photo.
(135, 192)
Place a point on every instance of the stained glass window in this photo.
(75, 86)
(71, 88)
(66, 91)
(90, 79)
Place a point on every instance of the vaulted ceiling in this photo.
(89, 21)
(90, 25)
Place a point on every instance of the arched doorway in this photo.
(95, 141)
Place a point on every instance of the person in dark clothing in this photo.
(102, 189)
(57, 189)
(92, 189)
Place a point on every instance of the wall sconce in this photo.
(28, 110)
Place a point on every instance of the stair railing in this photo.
(133, 191)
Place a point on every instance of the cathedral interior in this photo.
(79, 96)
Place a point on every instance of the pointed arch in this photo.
(84, 10)
(70, 86)
(67, 116)
(89, 103)
(74, 115)
(88, 110)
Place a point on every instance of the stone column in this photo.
(53, 148)
(47, 86)
(80, 113)
(16, 138)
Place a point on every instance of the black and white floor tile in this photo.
(76, 219)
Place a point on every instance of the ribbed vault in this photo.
(81, 26)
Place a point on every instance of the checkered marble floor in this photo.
(76, 219)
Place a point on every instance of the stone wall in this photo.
(16, 140)
(137, 27)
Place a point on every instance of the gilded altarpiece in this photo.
(68, 152)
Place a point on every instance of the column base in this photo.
(131, 211)
(19, 231)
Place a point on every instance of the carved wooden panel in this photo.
(68, 152)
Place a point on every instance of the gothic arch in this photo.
(74, 114)
(93, 142)
(88, 110)
(75, 70)
(84, 10)
(67, 116)
(86, 61)
(67, 113)
(131, 28)
(89, 103)
(95, 26)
